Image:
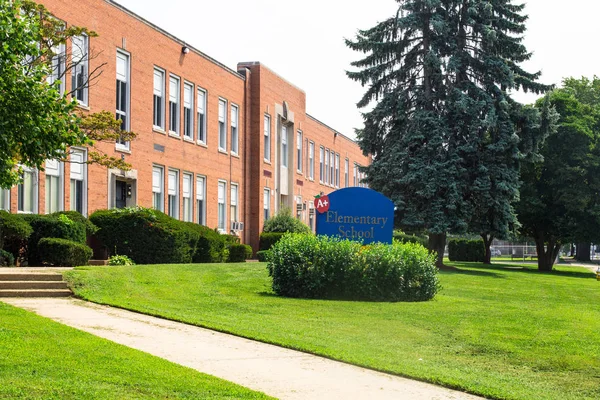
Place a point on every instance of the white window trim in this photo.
(190, 196)
(266, 201)
(127, 145)
(177, 192)
(267, 134)
(237, 129)
(59, 172)
(311, 161)
(85, 57)
(193, 110)
(222, 146)
(84, 176)
(234, 218)
(299, 161)
(203, 194)
(224, 229)
(203, 142)
(177, 130)
(163, 97)
(162, 187)
(36, 187)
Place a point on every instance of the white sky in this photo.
(303, 41)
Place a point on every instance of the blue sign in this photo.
(356, 214)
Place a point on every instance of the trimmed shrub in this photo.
(208, 246)
(120, 260)
(330, 268)
(263, 255)
(51, 226)
(90, 228)
(268, 239)
(284, 221)
(6, 259)
(14, 231)
(62, 252)
(466, 250)
(239, 252)
(406, 238)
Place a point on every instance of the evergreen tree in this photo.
(442, 130)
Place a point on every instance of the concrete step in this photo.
(33, 285)
(98, 262)
(35, 293)
(29, 277)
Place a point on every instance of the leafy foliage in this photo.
(14, 230)
(284, 221)
(62, 252)
(263, 255)
(6, 259)
(120, 260)
(466, 250)
(268, 239)
(51, 226)
(407, 238)
(323, 267)
(239, 252)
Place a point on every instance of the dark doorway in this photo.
(121, 194)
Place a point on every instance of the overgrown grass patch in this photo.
(502, 331)
(42, 359)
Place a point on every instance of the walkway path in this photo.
(279, 372)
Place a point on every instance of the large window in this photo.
(221, 206)
(188, 113)
(79, 70)
(159, 99)
(201, 115)
(331, 168)
(174, 105)
(5, 199)
(337, 170)
(267, 138)
(53, 186)
(78, 185)
(187, 192)
(27, 192)
(321, 170)
(234, 203)
(326, 166)
(158, 182)
(346, 172)
(200, 202)
(234, 130)
(222, 125)
(267, 203)
(299, 151)
(354, 177)
(311, 160)
(58, 67)
(284, 146)
(173, 200)
(123, 96)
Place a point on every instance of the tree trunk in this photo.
(437, 243)
(487, 241)
(572, 253)
(546, 253)
(583, 251)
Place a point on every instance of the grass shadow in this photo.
(460, 271)
(522, 268)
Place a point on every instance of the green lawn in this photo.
(42, 359)
(502, 331)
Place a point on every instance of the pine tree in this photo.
(442, 130)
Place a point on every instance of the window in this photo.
(337, 170)
(331, 168)
(284, 146)
(327, 177)
(53, 186)
(78, 181)
(200, 196)
(346, 166)
(159, 99)
(174, 105)
(158, 182)
(221, 206)
(267, 203)
(299, 151)
(354, 175)
(234, 130)
(173, 200)
(321, 156)
(222, 132)
(123, 96)
(27, 192)
(188, 106)
(201, 116)
(58, 67)
(79, 70)
(188, 182)
(311, 160)
(267, 134)
(234, 203)
(5, 199)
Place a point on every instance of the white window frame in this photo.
(346, 172)
(267, 138)
(54, 169)
(78, 173)
(187, 194)
(201, 111)
(235, 131)
(222, 202)
(299, 140)
(355, 174)
(331, 168)
(174, 105)
(126, 112)
(5, 199)
(173, 193)
(188, 110)
(284, 147)
(326, 167)
(158, 187)
(158, 99)
(59, 64)
(337, 170)
(266, 203)
(80, 48)
(311, 160)
(222, 125)
(321, 164)
(201, 197)
(234, 211)
(34, 192)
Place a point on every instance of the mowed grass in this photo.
(504, 332)
(42, 359)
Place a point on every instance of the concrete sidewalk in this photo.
(279, 372)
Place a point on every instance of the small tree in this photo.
(284, 221)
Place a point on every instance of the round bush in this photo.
(263, 255)
(330, 268)
(62, 252)
(284, 221)
(239, 252)
(51, 226)
(268, 239)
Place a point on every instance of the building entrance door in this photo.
(121, 194)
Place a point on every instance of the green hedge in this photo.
(268, 239)
(90, 228)
(330, 268)
(51, 226)
(239, 252)
(14, 231)
(148, 236)
(466, 250)
(262, 255)
(284, 221)
(406, 238)
(6, 259)
(62, 252)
